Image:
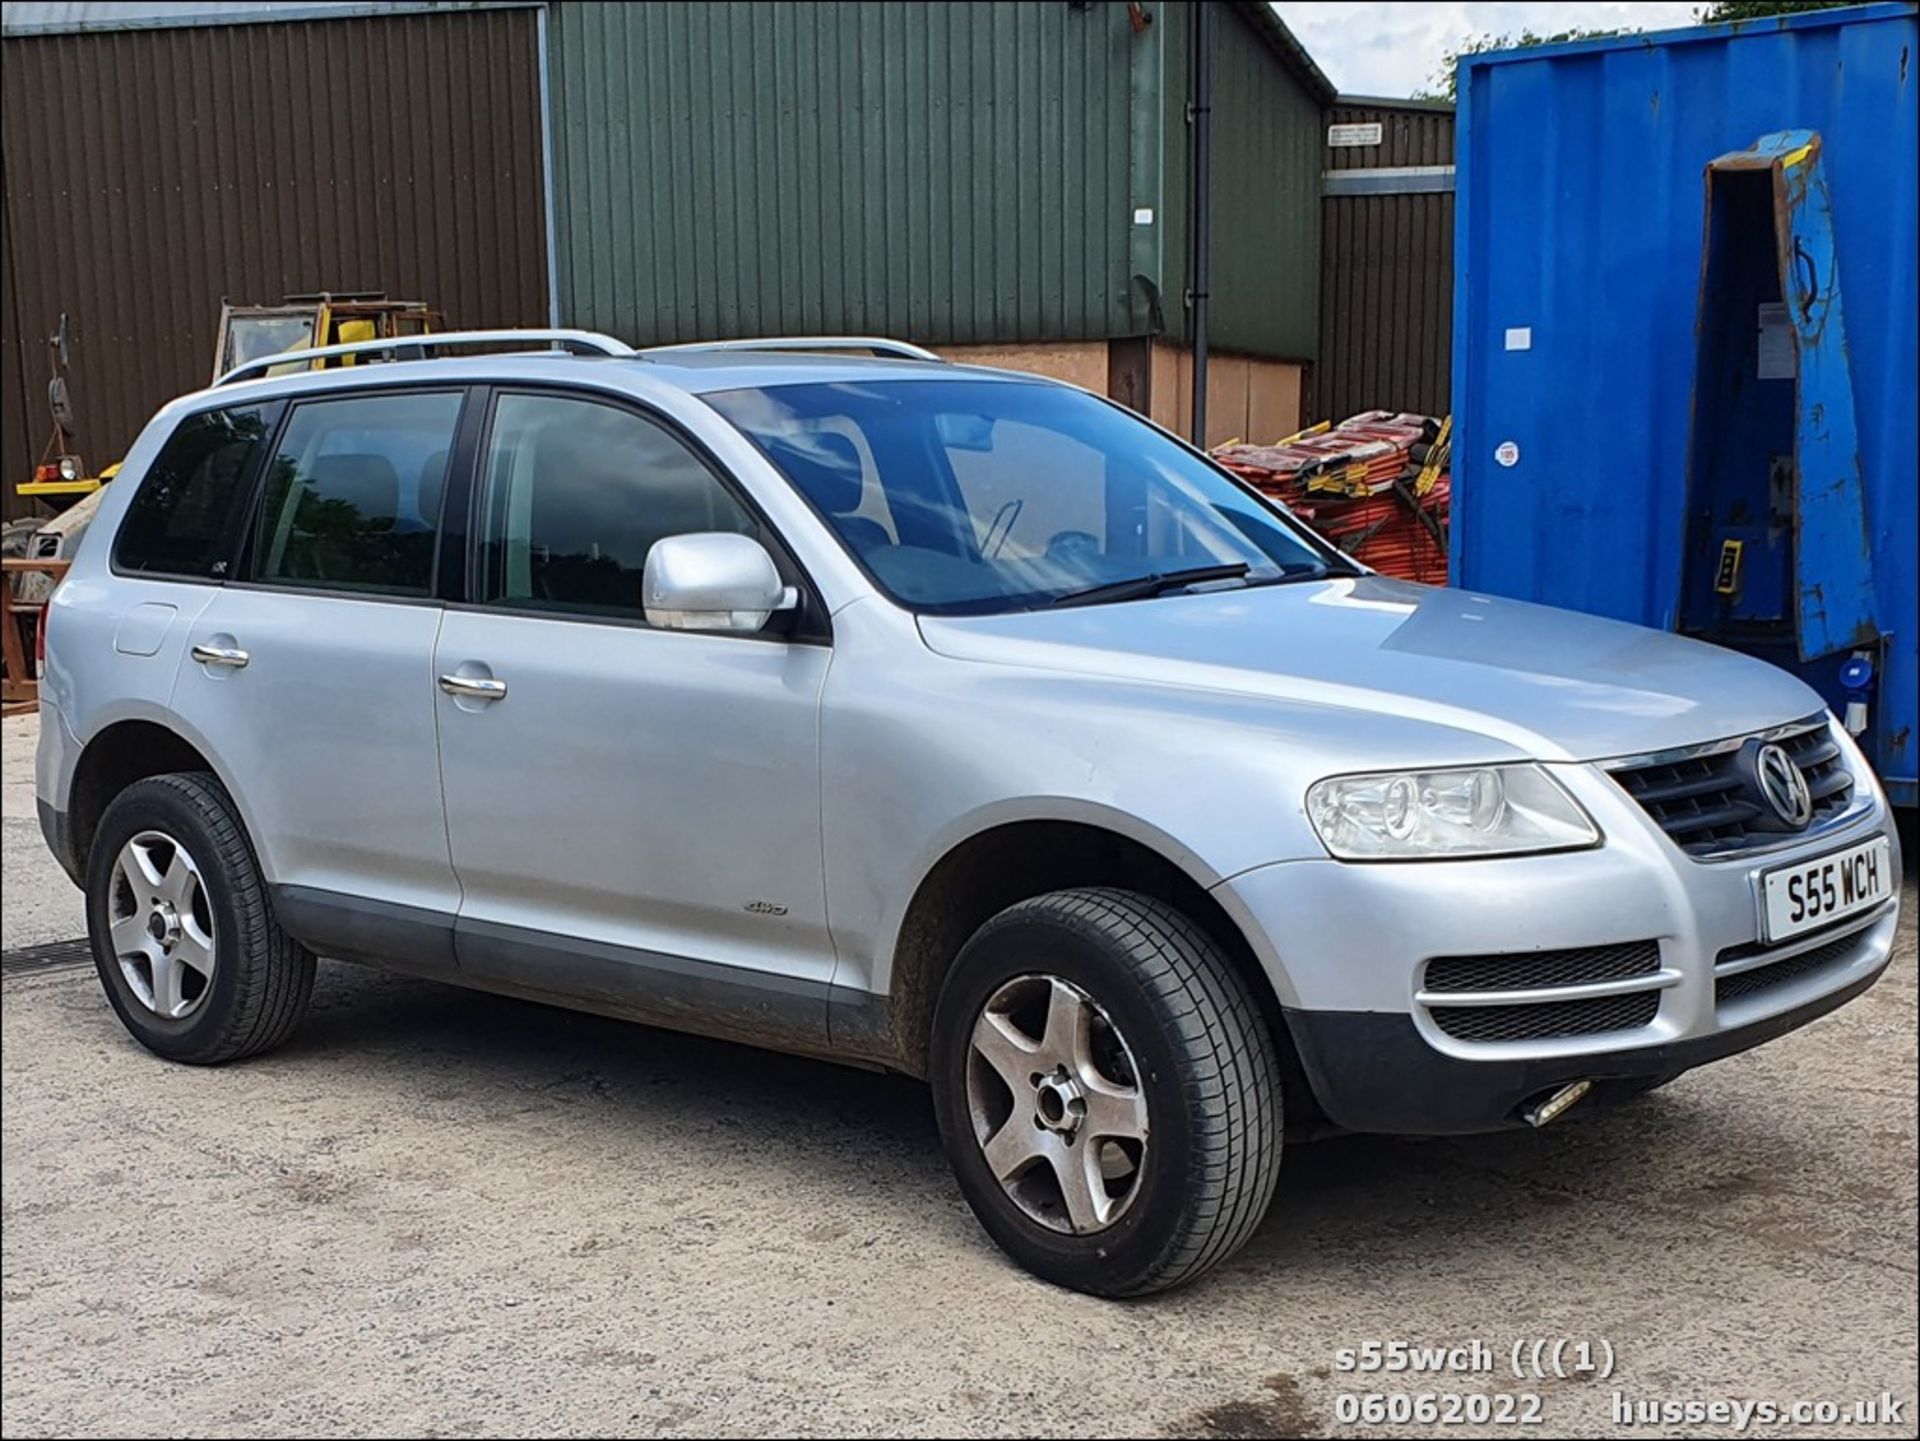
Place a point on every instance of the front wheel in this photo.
(1107, 1091)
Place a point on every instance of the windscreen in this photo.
(976, 496)
(250, 337)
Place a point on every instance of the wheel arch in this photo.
(122, 752)
(1014, 858)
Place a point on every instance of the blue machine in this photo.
(1664, 410)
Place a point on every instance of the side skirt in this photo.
(776, 1012)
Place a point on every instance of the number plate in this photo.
(1809, 894)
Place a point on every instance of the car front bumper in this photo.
(1348, 945)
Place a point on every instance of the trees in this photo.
(1441, 83)
(1733, 10)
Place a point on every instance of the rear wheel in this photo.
(184, 936)
(1107, 1091)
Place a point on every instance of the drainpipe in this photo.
(1200, 206)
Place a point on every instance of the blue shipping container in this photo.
(1578, 253)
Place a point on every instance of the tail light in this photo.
(41, 622)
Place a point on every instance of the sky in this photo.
(1391, 47)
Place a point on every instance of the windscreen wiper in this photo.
(1145, 585)
(1315, 570)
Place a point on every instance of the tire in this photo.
(171, 859)
(1202, 1061)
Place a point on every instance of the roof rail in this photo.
(424, 347)
(879, 345)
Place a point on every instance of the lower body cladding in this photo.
(1450, 997)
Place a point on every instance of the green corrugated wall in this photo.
(947, 172)
(1267, 148)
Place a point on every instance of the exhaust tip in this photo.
(1555, 1104)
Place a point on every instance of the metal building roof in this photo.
(70, 17)
(67, 17)
(1293, 54)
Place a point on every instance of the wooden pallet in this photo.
(20, 690)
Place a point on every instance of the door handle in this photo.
(471, 688)
(227, 655)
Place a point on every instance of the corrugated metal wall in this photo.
(19, 445)
(946, 172)
(1386, 272)
(1265, 289)
(150, 173)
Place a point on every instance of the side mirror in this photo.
(712, 581)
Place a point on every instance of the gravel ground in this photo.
(438, 1212)
(41, 904)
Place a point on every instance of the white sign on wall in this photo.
(1347, 137)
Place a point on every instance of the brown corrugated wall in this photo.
(17, 445)
(151, 173)
(1386, 273)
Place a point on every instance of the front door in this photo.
(634, 813)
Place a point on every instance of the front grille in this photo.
(1761, 978)
(1528, 970)
(1818, 756)
(1548, 1019)
(1709, 804)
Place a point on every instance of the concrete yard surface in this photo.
(440, 1212)
(39, 904)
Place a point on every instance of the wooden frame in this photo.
(20, 691)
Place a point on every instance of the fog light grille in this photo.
(1526, 970)
(1761, 978)
(1545, 1020)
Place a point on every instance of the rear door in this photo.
(310, 675)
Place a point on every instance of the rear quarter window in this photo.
(185, 518)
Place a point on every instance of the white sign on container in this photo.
(1777, 359)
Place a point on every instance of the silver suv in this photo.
(824, 696)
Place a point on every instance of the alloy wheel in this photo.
(1057, 1105)
(160, 924)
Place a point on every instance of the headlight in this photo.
(69, 468)
(1433, 815)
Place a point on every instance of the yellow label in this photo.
(1726, 580)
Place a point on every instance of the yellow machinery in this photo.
(247, 332)
(305, 322)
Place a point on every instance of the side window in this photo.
(184, 517)
(577, 492)
(352, 498)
